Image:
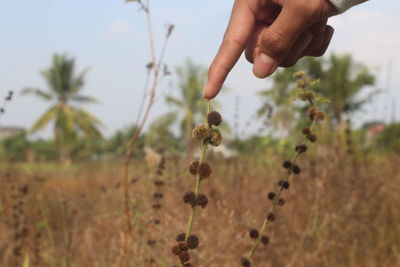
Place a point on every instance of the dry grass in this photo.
(341, 211)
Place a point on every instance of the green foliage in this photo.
(389, 138)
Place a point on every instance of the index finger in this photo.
(235, 40)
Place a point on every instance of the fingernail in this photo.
(264, 66)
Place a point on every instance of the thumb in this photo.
(278, 39)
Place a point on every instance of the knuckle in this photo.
(274, 44)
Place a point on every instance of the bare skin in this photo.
(273, 33)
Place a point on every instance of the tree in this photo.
(70, 121)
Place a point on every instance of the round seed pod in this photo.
(188, 265)
(306, 131)
(180, 237)
(183, 246)
(156, 206)
(253, 233)
(189, 198)
(296, 169)
(312, 112)
(301, 148)
(245, 262)
(176, 250)
(215, 137)
(309, 95)
(193, 166)
(204, 170)
(271, 217)
(202, 200)
(200, 132)
(265, 240)
(320, 115)
(192, 242)
(285, 184)
(214, 118)
(184, 256)
(281, 202)
(158, 195)
(271, 195)
(159, 183)
(286, 164)
(312, 138)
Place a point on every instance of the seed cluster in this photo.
(314, 115)
(7, 99)
(206, 134)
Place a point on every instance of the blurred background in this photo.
(78, 73)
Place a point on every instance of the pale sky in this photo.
(110, 38)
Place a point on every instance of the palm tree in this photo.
(190, 101)
(63, 90)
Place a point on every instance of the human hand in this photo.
(272, 33)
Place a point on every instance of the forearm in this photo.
(343, 5)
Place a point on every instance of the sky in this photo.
(109, 37)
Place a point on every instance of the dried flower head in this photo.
(180, 237)
(281, 202)
(184, 256)
(296, 169)
(204, 170)
(265, 240)
(193, 166)
(188, 265)
(192, 242)
(215, 137)
(176, 250)
(271, 195)
(214, 118)
(312, 112)
(306, 131)
(287, 164)
(309, 95)
(312, 137)
(320, 115)
(245, 262)
(189, 198)
(200, 132)
(202, 200)
(271, 217)
(253, 233)
(183, 246)
(301, 148)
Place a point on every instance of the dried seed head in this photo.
(309, 95)
(306, 131)
(320, 115)
(188, 265)
(284, 184)
(159, 183)
(296, 169)
(301, 148)
(156, 206)
(271, 195)
(245, 262)
(193, 166)
(312, 111)
(192, 242)
(184, 256)
(271, 217)
(200, 132)
(202, 200)
(215, 137)
(299, 74)
(180, 237)
(287, 164)
(151, 242)
(176, 250)
(281, 202)
(189, 198)
(312, 137)
(253, 233)
(214, 118)
(265, 240)
(158, 195)
(204, 170)
(183, 246)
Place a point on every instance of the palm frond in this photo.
(44, 120)
(37, 92)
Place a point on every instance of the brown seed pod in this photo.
(281, 202)
(204, 170)
(200, 132)
(309, 95)
(296, 169)
(265, 240)
(202, 200)
(271, 217)
(214, 118)
(320, 115)
(306, 131)
(253, 233)
(193, 166)
(271, 195)
(312, 138)
(286, 164)
(189, 198)
(215, 137)
(301, 148)
(182, 245)
(192, 242)
(180, 237)
(176, 250)
(184, 256)
(188, 265)
(245, 262)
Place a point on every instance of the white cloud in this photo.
(119, 28)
